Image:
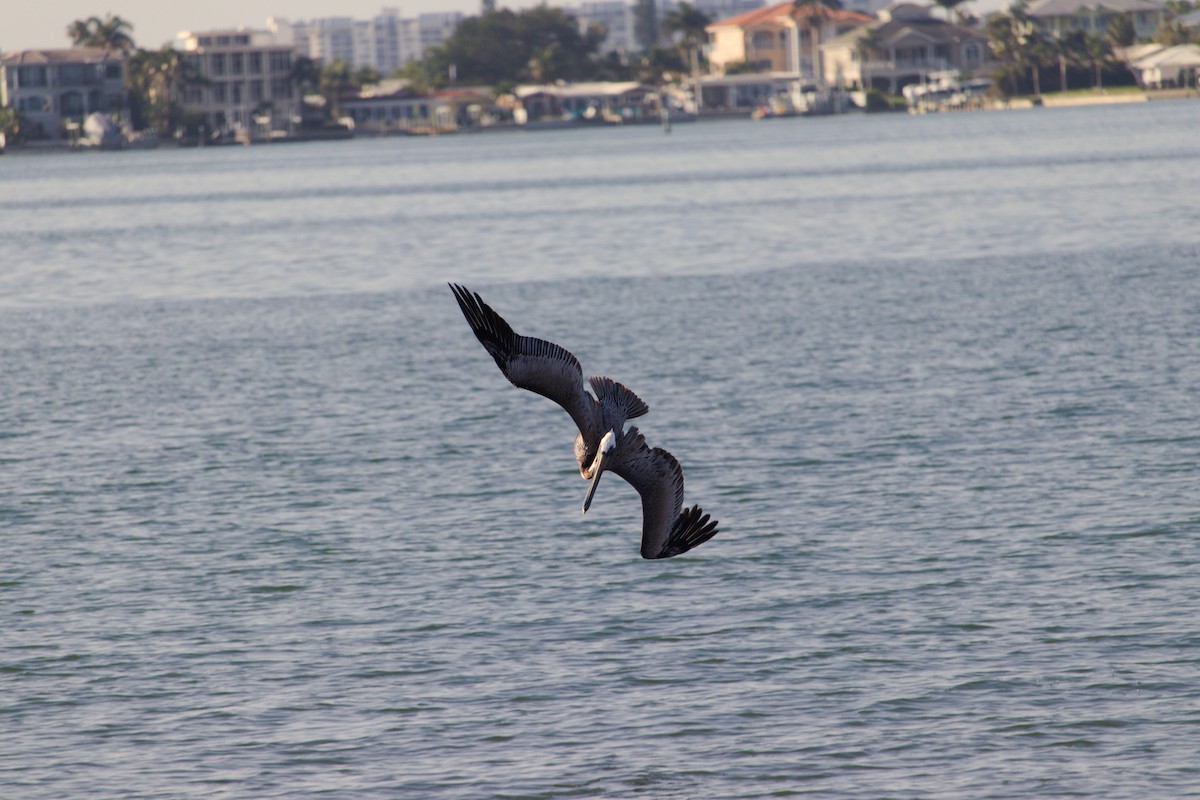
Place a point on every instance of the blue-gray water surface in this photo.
(272, 524)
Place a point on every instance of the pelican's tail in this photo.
(609, 391)
(692, 529)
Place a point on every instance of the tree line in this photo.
(1029, 56)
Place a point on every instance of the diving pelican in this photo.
(603, 443)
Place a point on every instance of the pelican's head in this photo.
(607, 444)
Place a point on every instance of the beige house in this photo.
(247, 74)
(910, 46)
(778, 38)
(1061, 17)
(51, 88)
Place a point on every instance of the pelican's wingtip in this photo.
(692, 529)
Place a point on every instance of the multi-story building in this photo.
(53, 87)
(1060, 17)
(247, 74)
(384, 43)
(617, 17)
(911, 45)
(779, 38)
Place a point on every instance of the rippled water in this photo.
(273, 524)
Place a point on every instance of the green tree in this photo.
(513, 46)
(12, 124)
(1100, 54)
(156, 79)
(1121, 32)
(814, 12)
(688, 24)
(336, 81)
(868, 47)
(645, 24)
(1170, 34)
(1018, 46)
(1070, 51)
(111, 33)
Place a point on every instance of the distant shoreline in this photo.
(1072, 99)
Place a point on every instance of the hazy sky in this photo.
(30, 25)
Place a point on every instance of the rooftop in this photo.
(1064, 8)
(66, 55)
(784, 14)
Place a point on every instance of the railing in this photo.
(906, 65)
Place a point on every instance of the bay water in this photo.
(272, 524)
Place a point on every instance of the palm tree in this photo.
(111, 33)
(1070, 50)
(690, 24)
(1018, 45)
(814, 12)
(1099, 52)
(868, 46)
(336, 80)
(156, 78)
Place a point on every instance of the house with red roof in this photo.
(779, 38)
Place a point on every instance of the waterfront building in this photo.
(778, 38)
(612, 101)
(392, 106)
(1060, 17)
(57, 89)
(247, 75)
(912, 46)
(1167, 67)
(385, 43)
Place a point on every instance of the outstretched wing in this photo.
(534, 364)
(667, 528)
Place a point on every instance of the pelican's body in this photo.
(602, 444)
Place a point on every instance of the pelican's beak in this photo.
(606, 446)
(587, 501)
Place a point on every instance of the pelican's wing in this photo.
(667, 528)
(534, 364)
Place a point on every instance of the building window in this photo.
(31, 76)
(255, 63)
(71, 104)
(218, 92)
(217, 62)
(256, 90)
(281, 88)
(34, 103)
(112, 72)
(71, 75)
(280, 61)
(236, 63)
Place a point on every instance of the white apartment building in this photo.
(248, 74)
(385, 42)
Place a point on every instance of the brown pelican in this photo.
(668, 529)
